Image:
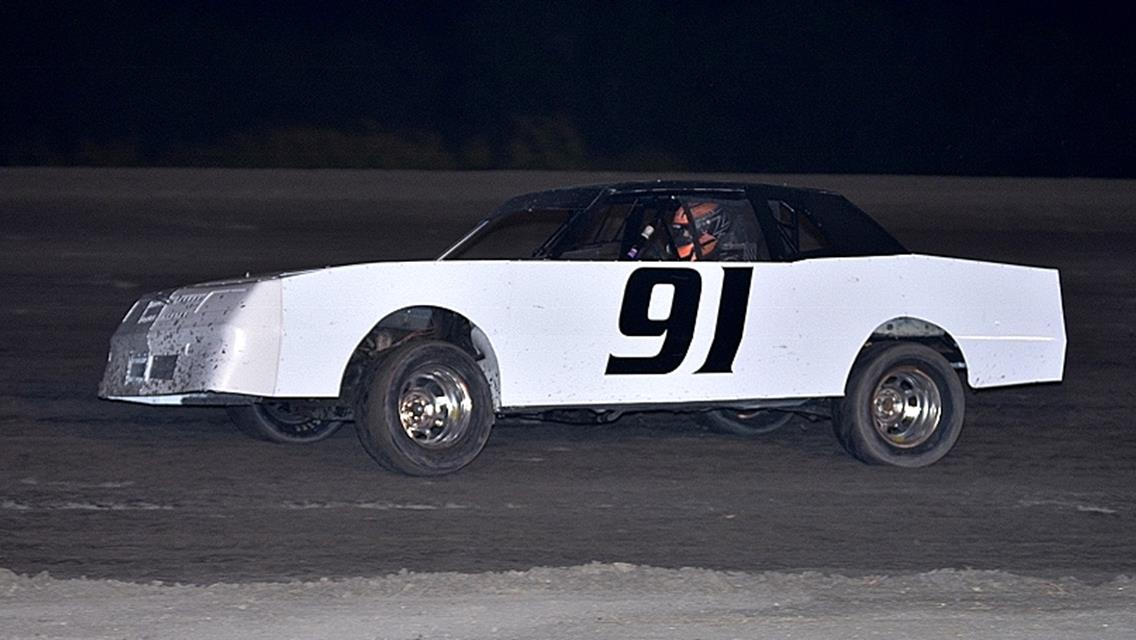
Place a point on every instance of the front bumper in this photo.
(197, 345)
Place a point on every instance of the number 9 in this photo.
(678, 326)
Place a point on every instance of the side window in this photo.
(797, 234)
(742, 240)
(716, 227)
(712, 227)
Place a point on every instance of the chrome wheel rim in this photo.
(906, 407)
(434, 406)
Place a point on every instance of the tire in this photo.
(408, 386)
(885, 378)
(281, 423)
(745, 423)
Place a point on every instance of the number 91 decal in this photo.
(678, 327)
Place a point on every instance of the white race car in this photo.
(740, 303)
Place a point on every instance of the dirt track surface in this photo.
(1041, 484)
(591, 601)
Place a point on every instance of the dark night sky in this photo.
(1037, 88)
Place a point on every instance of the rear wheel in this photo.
(903, 405)
(285, 422)
(424, 409)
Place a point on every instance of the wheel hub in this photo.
(906, 407)
(434, 406)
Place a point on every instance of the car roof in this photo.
(581, 196)
(700, 185)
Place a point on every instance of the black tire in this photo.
(868, 420)
(746, 424)
(409, 385)
(279, 422)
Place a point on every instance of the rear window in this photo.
(797, 234)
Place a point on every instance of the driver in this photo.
(696, 230)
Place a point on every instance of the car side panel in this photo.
(554, 325)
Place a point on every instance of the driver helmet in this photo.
(696, 229)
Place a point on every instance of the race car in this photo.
(741, 304)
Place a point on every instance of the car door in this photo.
(646, 327)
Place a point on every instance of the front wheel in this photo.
(903, 405)
(424, 409)
(746, 423)
(284, 422)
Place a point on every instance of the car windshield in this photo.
(513, 237)
(521, 227)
